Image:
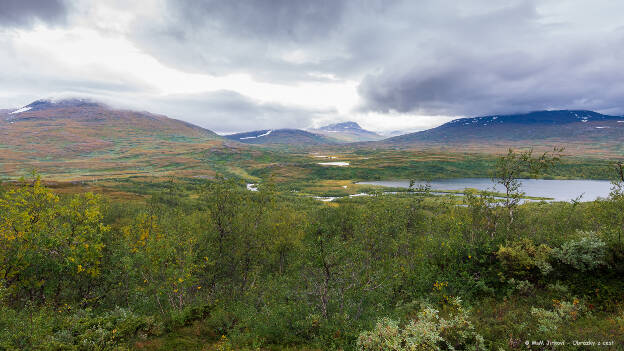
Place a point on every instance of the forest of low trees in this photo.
(210, 265)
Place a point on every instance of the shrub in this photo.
(82, 329)
(522, 258)
(524, 287)
(50, 250)
(586, 254)
(428, 332)
(549, 321)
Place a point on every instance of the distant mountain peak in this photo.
(86, 112)
(347, 132)
(280, 136)
(56, 103)
(44, 104)
(563, 125)
(535, 117)
(342, 126)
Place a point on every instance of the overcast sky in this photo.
(242, 65)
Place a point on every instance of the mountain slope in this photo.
(563, 126)
(281, 136)
(48, 135)
(347, 132)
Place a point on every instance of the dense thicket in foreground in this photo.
(213, 266)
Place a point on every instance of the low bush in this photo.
(429, 331)
(586, 254)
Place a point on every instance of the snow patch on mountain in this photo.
(23, 109)
(257, 136)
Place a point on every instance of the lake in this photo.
(558, 190)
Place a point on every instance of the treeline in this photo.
(228, 268)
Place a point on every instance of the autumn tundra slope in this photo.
(76, 137)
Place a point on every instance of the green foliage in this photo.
(209, 264)
(515, 165)
(429, 331)
(548, 321)
(585, 254)
(64, 329)
(522, 259)
(49, 249)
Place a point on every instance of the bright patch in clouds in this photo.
(82, 49)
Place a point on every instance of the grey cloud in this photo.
(17, 13)
(224, 112)
(509, 60)
(291, 20)
(426, 57)
(230, 112)
(585, 76)
(278, 40)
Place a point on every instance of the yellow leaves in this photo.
(180, 280)
(126, 231)
(144, 235)
(93, 272)
(439, 285)
(80, 269)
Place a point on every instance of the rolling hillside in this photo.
(81, 137)
(281, 136)
(588, 131)
(347, 132)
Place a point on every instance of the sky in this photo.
(235, 65)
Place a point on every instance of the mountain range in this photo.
(562, 126)
(281, 136)
(82, 136)
(344, 132)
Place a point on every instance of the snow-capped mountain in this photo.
(560, 125)
(347, 132)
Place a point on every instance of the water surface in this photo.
(558, 190)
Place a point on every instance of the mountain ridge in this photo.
(87, 110)
(71, 135)
(280, 136)
(536, 125)
(347, 132)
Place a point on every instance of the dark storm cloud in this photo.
(428, 57)
(25, 12)
(230, 112)
(290, 20)
(584, 75)
(275, 40)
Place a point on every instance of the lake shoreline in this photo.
(533, 189)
